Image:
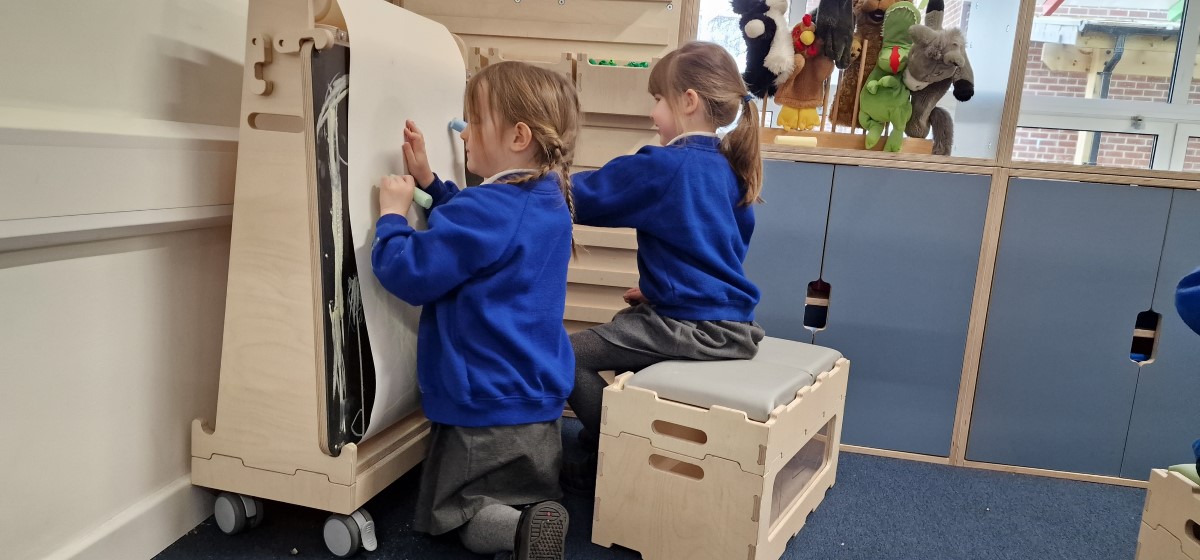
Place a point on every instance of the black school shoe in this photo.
(542, 533)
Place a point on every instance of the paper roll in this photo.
(392, 51)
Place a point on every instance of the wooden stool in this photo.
(719, 460)
(1169, 522)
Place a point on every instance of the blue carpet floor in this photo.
(879, 509)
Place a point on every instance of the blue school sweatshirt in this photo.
(692, 234)
(1187, 300)
(491, 271)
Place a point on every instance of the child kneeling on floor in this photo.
(494, 362)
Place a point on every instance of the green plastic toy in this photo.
(611, 62)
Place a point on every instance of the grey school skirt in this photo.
(468, 469)
(641, 328)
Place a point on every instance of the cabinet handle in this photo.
(816, 305)
(1145, 337)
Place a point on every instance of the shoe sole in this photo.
(546, 534)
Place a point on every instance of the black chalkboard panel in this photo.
(350, 371)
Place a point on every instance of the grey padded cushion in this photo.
(755, 387)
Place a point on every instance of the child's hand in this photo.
(633, 296)
(396, 194)
(415, 156)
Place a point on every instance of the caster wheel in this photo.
(256, 519)
(230, 513)
(235, 513)
(345, 534)
(342, 536)
(366, 529)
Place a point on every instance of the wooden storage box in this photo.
(677, 481)
(1170, 529)
(615, 90)
(479, 58)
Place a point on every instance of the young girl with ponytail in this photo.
(690, 202)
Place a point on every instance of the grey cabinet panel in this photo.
(1076, 264)
(789, 237)
(1166, 409)
(901, 258)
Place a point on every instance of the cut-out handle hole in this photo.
(816, 305)
(1145, 337)
(275, 122)
(679, 432)
(673, 466)
(1193, 531)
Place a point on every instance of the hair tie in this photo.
(747, 98)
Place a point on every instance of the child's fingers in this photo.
(413, 134)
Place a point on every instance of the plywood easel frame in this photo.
(267, 440)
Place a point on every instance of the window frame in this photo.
(1168, 121)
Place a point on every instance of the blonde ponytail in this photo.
(741, 147)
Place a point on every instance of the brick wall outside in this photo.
(1118, 150)
(1068, 10)
(1045, 145)
(1059, 146)
(1191, 160)
(1125, 150)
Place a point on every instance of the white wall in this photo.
(117, 156)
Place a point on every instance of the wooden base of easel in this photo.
(350, 480)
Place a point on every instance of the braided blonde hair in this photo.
(547, 103)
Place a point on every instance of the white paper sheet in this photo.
(402, 66)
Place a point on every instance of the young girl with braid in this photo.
(690, 202)
(494, 362)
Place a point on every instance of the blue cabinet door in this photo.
(901, 258)
(789, 238)
(1076, 264)
(1166, 407)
